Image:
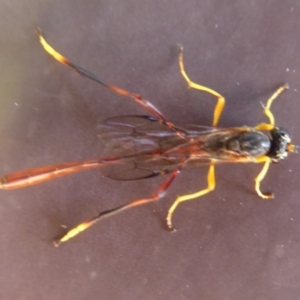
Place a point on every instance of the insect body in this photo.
(141, 147)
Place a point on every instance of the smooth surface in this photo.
(228, 245)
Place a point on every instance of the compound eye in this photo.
(281, 133)
(285, 136)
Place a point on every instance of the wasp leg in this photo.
(211, 186)
(158, 194)
(221, 100)
(260, 177)
(264, 126)
(267, 110)
(83, 72)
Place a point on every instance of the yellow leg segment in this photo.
(73, 232)
(221, 100)
(49, 49)
(267, 110)
(264, 126)
(211, 186)
(260, 177)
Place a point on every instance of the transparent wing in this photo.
(147, 147)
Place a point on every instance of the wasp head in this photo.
(281, 144)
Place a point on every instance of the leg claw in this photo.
(180, 48)
(170, 226)
(268, 196)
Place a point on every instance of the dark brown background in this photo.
(230, 244)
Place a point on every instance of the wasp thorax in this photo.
(249, 143)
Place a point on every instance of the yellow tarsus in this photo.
(270, 101)
(49, 49)
(260, 177)
(221, 100)
(211, 186)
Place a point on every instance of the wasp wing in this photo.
(144, 147)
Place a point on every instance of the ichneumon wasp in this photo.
(146, 146)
